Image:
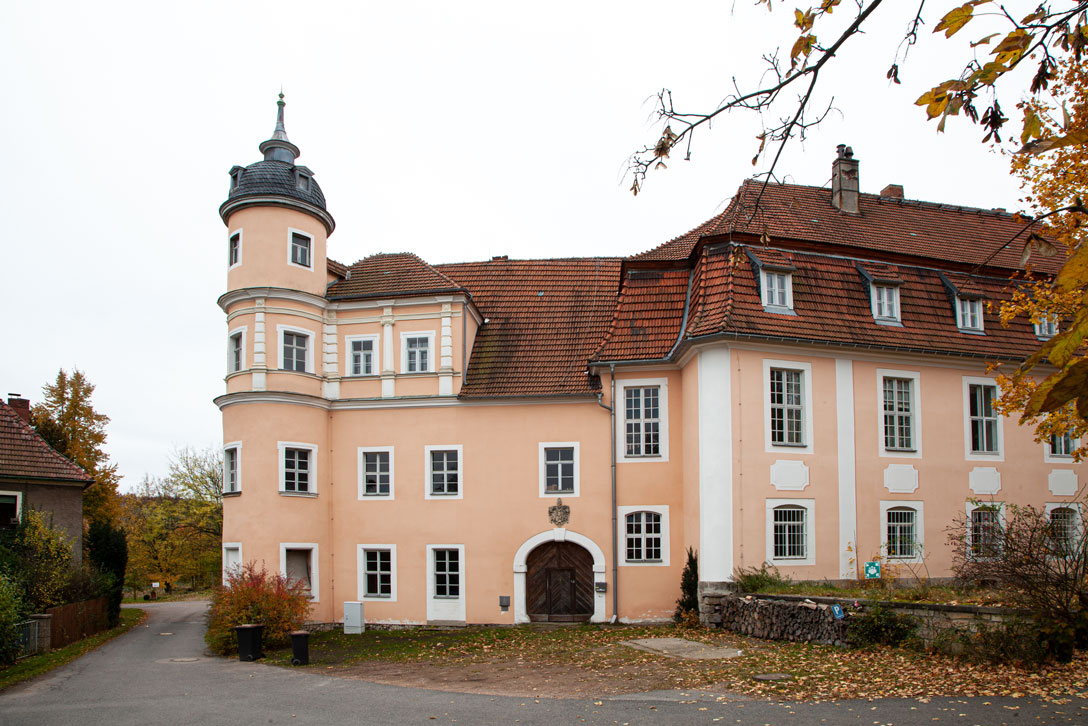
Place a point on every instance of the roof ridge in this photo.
(31, 436)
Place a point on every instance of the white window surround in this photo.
(281, 447)
(543, 468)
(360, 569)
(809, 505)
(18, 502)
(375, 358)
(1050, 457)
(311, 340)
(231, 547)
(777, 287)
(241, 237)
(884, 296)
(315, 580)
(427, 493)
(969, 455)
(659, 509)
(237, 447)
(361, 464)
(242, 331)
(291, 232)
(969, 314)
(970, 506)
(806, 412)
(1046, 328)
(1077, 519)
(919, 529)
(916, 411)
(404, 336)
(446, 608)
(663, 418)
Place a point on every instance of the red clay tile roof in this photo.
(545, 318)
(903, 227)
(25, 455)
(337, 268)
(648, 315)
(386, 275)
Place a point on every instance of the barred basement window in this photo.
(787, 408)
(790, 541)
(985, 530)
(642, 416)
(902, 532)
(377, 573)
(1063, 530)
(643, 537)
(447, 573)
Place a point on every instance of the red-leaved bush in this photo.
(253, 595)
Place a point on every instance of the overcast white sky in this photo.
(456, 131)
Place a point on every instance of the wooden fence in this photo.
(78, 620)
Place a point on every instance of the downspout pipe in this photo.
(615, 523)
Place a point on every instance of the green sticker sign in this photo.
(872, 570)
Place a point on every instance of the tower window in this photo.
(300, 249)
(234, 249)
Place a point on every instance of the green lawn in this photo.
(36, 665)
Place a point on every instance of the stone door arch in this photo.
(559, 583)
(559, 535)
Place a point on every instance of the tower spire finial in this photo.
(279, 147)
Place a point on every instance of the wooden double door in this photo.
(559, 583)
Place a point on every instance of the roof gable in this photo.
(25, 455)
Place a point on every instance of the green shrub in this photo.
(107, 549)
(10, 615)
(753, 579)
(39, 560)
(689, 588)
(880, 626)
(253, 595)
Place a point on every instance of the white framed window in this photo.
(232, 558)
(375, 472)
(362, 357)
(787, 397)
(985, 528)
(642, 421)
(899, 423)
(1047, 327)
(377, 565)
(885, 302)
(298, 562)
(559, 469)
(1061, 446)
(232, 467)
(236, 350)
(902, 530)
(443, 465)
(298, 468)
(777, 289)
(1065, 527)
(645, 535)
(983, 429)
(446, 582)
(234, 249)
(969, 313)
(790, 536)
(446, 568)
(296, 349)
(299, 248)
(11, 509)
(417, 352)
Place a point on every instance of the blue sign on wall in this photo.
(836, 610)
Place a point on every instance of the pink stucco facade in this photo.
(355, 459)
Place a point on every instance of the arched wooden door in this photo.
(559, 583)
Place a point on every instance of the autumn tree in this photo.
(1049, 40)
(66, 419)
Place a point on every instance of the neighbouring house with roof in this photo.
(801, 380)
(33, 475)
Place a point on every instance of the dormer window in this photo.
(886, 303)
(303, 182)
(1047, 327)
(969, 313)
(777, 289)
(235, 177)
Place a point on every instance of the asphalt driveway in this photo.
(158, 673)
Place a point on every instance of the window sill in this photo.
(890, 450)
(388, 495)
(986, 453)
(971, 331)
(354, 376)
(304, 495)
(444, 495)
(378, 597)
(559, 493)
(776, 310)
(890, 322)
(233, 494)
(416, 373)
(447, 597)
(789, 446)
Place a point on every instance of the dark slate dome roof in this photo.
(275, 177)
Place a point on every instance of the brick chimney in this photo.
(20, 405)
(845, 184)
(894, 191)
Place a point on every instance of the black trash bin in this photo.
(300, 647)
(249, 641)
